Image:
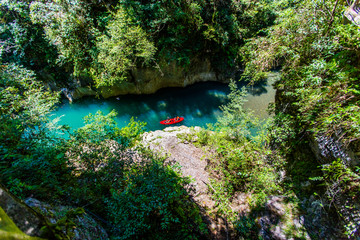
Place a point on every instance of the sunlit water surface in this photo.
(198, 104)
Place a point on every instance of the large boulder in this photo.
(75, 223)
(32, 218)
(193, 160)
(194, 163)
(21, 215)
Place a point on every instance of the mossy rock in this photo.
(9, 231)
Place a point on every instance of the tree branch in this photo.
(332, 16)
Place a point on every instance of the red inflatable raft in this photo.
(172, 120)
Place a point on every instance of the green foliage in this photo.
(343, 182)
(234, 119)
(221, 194)
(318, 55)
(101, 127)
(174, 25)
(318, 92)
(282, 133)
(337, 171)
(104, 41)
(64, 225)
(98, 128)
(21, 40)
(150, 202)
(132, 132)
(68, 26)
(23, 97)
(30, 159)
(184, 29)
(121, 48)
(246, 227)
(97, 149)
(25, 106)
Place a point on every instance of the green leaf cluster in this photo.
(68, 26)
(318, 94)
(120, 49)
(150, 202)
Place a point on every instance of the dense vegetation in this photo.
(86, 39)
(318, 98)
(49, 44)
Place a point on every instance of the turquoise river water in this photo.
(198, 104)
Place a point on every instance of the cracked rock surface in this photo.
(193, 160)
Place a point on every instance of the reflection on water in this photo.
(198, 104)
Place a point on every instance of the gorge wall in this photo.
(150, 79)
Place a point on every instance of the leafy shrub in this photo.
(132, 132)
(235, 120)
(123, 45)
(150, 202)
(246, 227)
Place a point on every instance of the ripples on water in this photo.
(198, 104)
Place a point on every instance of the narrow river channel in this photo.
(198, 104)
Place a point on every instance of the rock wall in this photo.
(85, 227)
(22, 216)
(149, 80)
(323, 150)
(18, 218)
(328, 149)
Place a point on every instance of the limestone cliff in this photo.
(150, 79)
(323, 150)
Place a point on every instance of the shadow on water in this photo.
(198, 104)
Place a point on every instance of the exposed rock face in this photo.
(279, 221)
(85, 226)
(80, 92)
(32, 215)
(193, 160)
(328, 149)
(68, 94)
(23, 216)
(149, 80)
